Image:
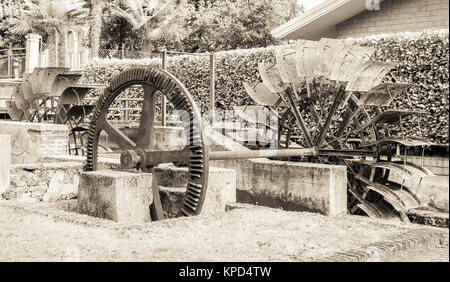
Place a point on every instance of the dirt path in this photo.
(45, 232)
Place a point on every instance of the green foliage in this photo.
(152, 21)
(423, 60)
(96, 8)
(50, 15)
(194, 26)
(228, 25)
(10, 11)
(149, 25)
(117, 32)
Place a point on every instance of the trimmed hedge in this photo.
(423, 59)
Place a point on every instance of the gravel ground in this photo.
(45, 232)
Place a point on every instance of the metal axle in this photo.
(226, 155)
(140, 158)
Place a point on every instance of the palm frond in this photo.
(134, 7)
(21, 26)
(52, 15)
(127, 16)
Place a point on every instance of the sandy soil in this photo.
(44, 232)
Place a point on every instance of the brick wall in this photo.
(54, 142)
(397, 16)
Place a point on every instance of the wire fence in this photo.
(125, 54)
(51, 56)
(56, 56)
(128, 107)
(12, 62)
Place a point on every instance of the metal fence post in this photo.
(212, 67)
(9, 61)
(163, 100)
(127, 110)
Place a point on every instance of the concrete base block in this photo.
(221, 190)
(220, 193)
(124, 197)
(5, 162)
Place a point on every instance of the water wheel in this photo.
(54, 95)
(335, 97)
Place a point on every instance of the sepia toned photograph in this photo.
(221, 137)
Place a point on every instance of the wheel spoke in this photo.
(146, 133)
(118, 136)
(332, 111)
(299, 119)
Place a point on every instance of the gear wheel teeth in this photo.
(141, 74)
(169, 88)
(158, 81)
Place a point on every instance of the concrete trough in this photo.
(291, 186)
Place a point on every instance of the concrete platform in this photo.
(123, 196)
(33, 141)
(5, 162)
(288, 185)
(116, 195)
(221, 189)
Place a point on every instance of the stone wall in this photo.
(166, 138)
(32, 141)
(397, 16)
(437, 165)
(43, 182)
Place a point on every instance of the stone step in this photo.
(438, 219)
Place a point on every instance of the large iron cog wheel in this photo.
(154, 83)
